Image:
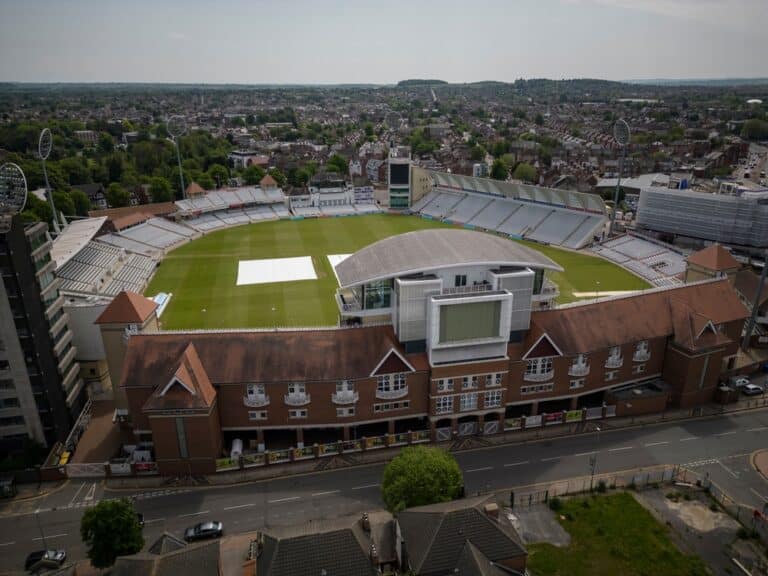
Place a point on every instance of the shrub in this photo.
(602, 486)
(555, 503)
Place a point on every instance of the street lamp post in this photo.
(40, 527)
(622, 135)
(593, 461)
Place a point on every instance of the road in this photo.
(720, 445)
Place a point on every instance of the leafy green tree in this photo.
(106, 142)
(420, 475)
(477, 153)
(205, 181)
(337, 163)
(253, 175)
(278, 176)
(111, 529)
(219, 173)
(63, 203)
(160, 189)
(75, 170)
(117, 196)
(499, 170)
(40, 208)
(81, 202)
(755, 129)
(524, 172)
(539, 120)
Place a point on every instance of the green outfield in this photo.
(202, 274)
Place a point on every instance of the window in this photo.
(460, 280)
(577, 383)
(537, 388)
(495, 379)
(4, 365)
(344, 386)
(391, 382)
(344, 412)
(6, 384)
(9, 403)
(492, 399)
(445, 385)
(610, 375)
(296, 389)
(641, 347)
(614, 352)
(181, 436)
(469, 382)
(444, 405)
(257, 415)
(12, 421)
(468, 402)
(297, 413)
(538, 366)
(391, 406)
(257, 390)
(638, 368)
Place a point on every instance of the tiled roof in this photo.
(189, 387)
(595, 326)
(166, 543)
(715, 258)
(747, 283)
(191, 560)
(194, 189)
(472, 562)
(269, 356)
(268, 182)
(127, 308)
(130, 215)
(336, 553)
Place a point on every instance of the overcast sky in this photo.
(381, 41)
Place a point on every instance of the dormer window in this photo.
(614, 358)
(642, 352)
(539, 369)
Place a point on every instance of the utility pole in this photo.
(755, 305)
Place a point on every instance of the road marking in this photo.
(550, 459)
(756, 493)
(724, 467)
(516, 464)
(689, 439)
(485, 469)
(758, 429)
(656, 443)
(283, 500)
(239, 506)
(76, 493)
(620, 449)
(193, 514)
(91, 492)
(7, 543)
(153, 520)
(326, 493)
(726, 433)
(585, 454)
(366, 486)
(51, 536)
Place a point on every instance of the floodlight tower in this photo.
(13, 194)
(621, 135)
(177, 126)
(44, 146)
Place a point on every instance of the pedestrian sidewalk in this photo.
(28, 497)
(760, 462)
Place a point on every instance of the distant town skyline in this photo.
(341, 41)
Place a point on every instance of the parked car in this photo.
(203, 531)
(45, 559)
(752, 390)
(739, 382)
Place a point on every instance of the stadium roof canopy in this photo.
(73, 238)
(426, 250)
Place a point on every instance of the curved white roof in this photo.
(427, 250)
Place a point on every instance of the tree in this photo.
(117, 196)
(81, 202)
(253, 175)
(755, 129)
(205, 181)
(539, 119)
(525, 172)
(477, 153)
(106, 142)
(111, 529)
(160, 189)
(421, 475)
(337, 163)
(499, 170)
(63, 203)
(278, 176)
(219, 173)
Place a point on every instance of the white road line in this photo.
(727, 433)
(550, 459)
(656, 443)
(326, 493)
(283, 500)
(511, 464)
(7, 543)
(91, 492)
(724, 467)
(364, 487)
(153, 520)
(49, 536)
(239, 506)
(758, 429)
(689, 439)
(193, 514)
(76, 493)
(756, 493)
(620, 449)
(585, 454)
(485, 469)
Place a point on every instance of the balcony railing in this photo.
(614, 362)
(578, 370)
(345, 397)
(468, 289)
(301, 399)
(539, 376)
(641, 356)
(256, 400)
(391, 394)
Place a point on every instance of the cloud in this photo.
(177, 36)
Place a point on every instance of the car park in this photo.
(45, 559)
(204, 531)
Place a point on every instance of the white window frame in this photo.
(641, 346)
(391, 382)
(468, 402)
(344, 386)
(495, 379)
(297, 389)
(445, 385)
(638, 369)
(577, 383)
(538, 366)
(614, 353)
(345, 412)
(492, 399)
(257, 415)
(444, 405)
(610, 375)
(255, 390)
(298, 413)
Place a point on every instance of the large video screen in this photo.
(469, 321)
(398, 174)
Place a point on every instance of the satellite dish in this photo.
(13, 194)
(621, 132)
(45, 144)
(177, 126)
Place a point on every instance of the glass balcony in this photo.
(345, 397)
(256, 400)
(614, 362)
(578, 370)
(300, 399)
(391, 394)
(641, 355)
(539, 376)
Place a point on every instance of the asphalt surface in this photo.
(719, 445)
